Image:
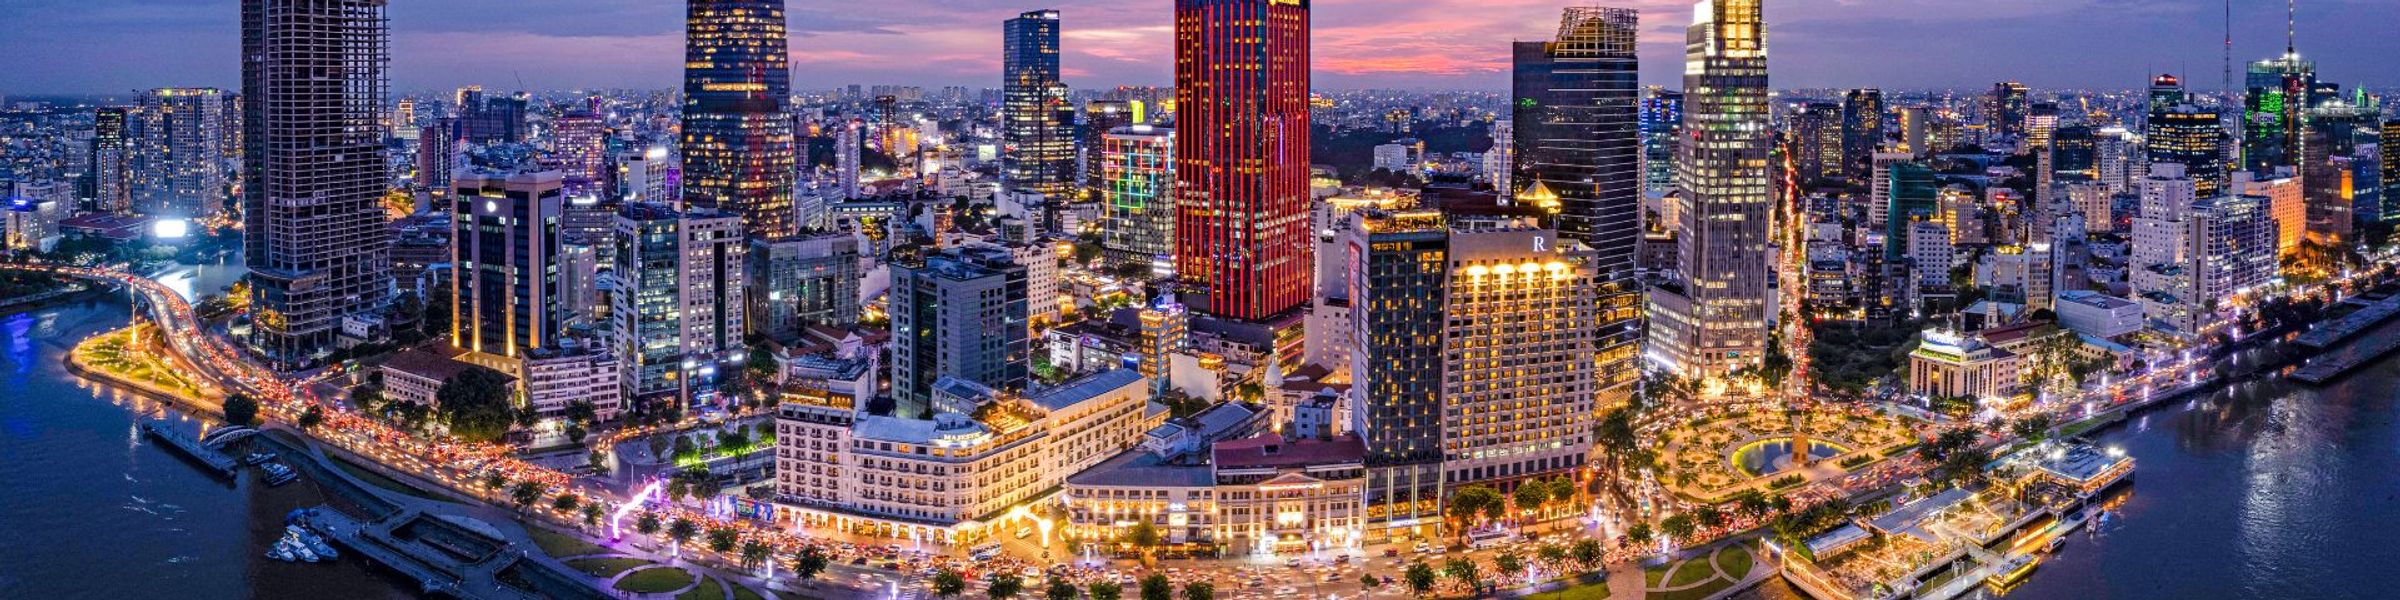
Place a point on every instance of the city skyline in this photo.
(2050, 44)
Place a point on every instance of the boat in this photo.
(316, 543)
(279, 552)
(256, 458)
(301, 550)
(277, 474)
(2013, 571)
(2054, 545)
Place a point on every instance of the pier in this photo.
(2340, 358)
(198, 452)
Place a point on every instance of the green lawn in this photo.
(1735, 562)
(743, 592)
(379, 480)
(655, 580)
(562, 545)
(708, 590)
(1651, 577)
(1691, 572)
(1596, 591)
(606, 567)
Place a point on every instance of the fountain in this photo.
(1775, 455)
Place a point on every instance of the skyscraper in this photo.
(580, 142)
(960, 313)
(1137, 194)
(1662, 119)
(1241, 157)
(1817, 141)
(1862, 131)
(2008, 105)
(315, 168)
(737, 127)
(1100, 117)
(678, 315)
(1038, 140)
(2178, 132)
(506, 297)
(1578, 128)
(1713, 319)
(111, 151)
(178, 164)
(2280, 92)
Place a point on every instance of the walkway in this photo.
(1711, 575)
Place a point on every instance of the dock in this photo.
(2348, 352)
(2350, 325)
(192, 448)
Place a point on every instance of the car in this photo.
(1024, 532)
(1392, 552)
(1422, 548)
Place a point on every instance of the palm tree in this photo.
(1509, 563)
(566, 503)
(754, 552)
(722, 539)
(1200, 590)
(1060, 589)
(1003, 585)
(648, 523)
(1420, 578)
(1677, 526)
(525, 494)
(948, 583)
(1155, 587)
(809, 563)
(1588, 553)
(681, 530)
(1105, 590)
(591, 515)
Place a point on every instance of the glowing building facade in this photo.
(737, 127)
(1241, 160)
(1713, 320)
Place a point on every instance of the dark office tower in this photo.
(2281, 90)
(1662, 119)
(2166, 92)
(1578, 136)
(484, 120)
(737, 125)
(2388, 159)
(1816, 132)
(1862, 132)
(2072, 151)
(1099, 118)
(1241, 160)
(1037, 150)
(505, 294)
(957, 313)
(1913, 197)
(1713, 319)
(315, 169)
(111, 185)
(437, 153)
(2190, 136)
(2008, 107)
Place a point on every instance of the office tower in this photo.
(1817, 141)
(677, 312)
(1713, 320)
(580, 144)
(1662, 121)
(404, 117)
(1474, 359)
(506, 294)
(485, 121)
(1100, 118)
(1037, 150)
(315, 171)
(2041, 121)
(846, 148)
(2073, 152)
(2113, 156)
(803, 281)
(1910, 196)
(2166, 92)
(178, 161)
(1241, 157)
(1916, 130)
(2234, 245)
(2331, 136)
(1137, 195)
(2009, 101)
(737, 127)
(111, 153)
(957, 313)
(640, 175)
(2191, 136)
(2280, 92)
(1499, 163)
(437, 155)
(1862, 131)
(2161, 249)
(2388, 145)
(1579, 132)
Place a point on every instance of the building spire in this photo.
(2291, 27)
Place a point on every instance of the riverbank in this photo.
(84, 360)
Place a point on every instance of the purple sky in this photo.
(79, 46)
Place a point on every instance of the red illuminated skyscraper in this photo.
(1241, 163)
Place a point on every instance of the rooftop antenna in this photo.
(2227, 85)
(2291, 27)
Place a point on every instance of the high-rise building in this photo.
(958, 313)
(1241, 155)
(2041, 122)
(2233, 245)
(1713, 319)
(580, 143)
(505, 286)
(1579, 135)
(2009, 102)
(1817, 141)
(2191, 136)
(846, 149)
(2161, 250)
(111, 153)
(1910, 196)
(737, 128)
(1100, 118)
(179, 162)
(1137, 195)
(677, 313)
(484, 120)
(1862, 131)
(798, 282)
(1037, 150)
(2388, 147)
(437, 156)
(2074, 153)
(2280, 92)
(1916, 130)
(315, 169)
(1499, 163)
(1662, 119)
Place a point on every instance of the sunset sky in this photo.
(82, 46)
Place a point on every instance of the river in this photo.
(2265, 489)
(95, 511)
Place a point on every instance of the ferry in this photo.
(2013, 571)
(257, 458)
(277, 474)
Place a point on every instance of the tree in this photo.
(1676, 526)
(1060, 589)
(1751, 503)
(1155, 587)
(1472, 502)
(566, 503)
(678, 489)
(1588, 552)
(681, 530)
(722, 539)
(754, 552)
(525, 494)
(494, 480)
(582, 412)
(1368, 581)
(948, 583)
(312, 416)
(1004, 584)
(647, 524)
(1143, 536)
(2031, 429)
(1553, 554)
(1640, 533)
(810, 562)
(1199, 590)
(1105, 590)
(1709, 516)
(241, 409)
(591, 515)
(1420, 578)
(1462, 570)
(476, 404)
(1509, 563)
(1530, 496)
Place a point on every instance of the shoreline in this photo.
(211, 409)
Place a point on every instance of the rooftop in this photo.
(1272, 451)
(1084, 388)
